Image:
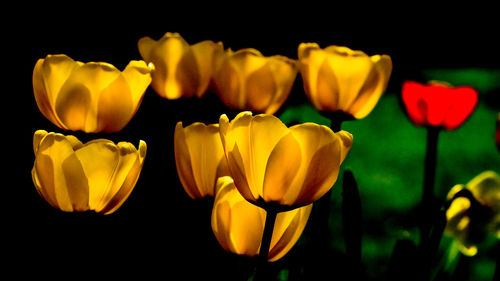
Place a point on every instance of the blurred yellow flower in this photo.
(180, 70)
(340, 79)
(199, 158)
(74, 177)
(271, 163)
(469, 224)
(246, 80)
(238, 225)
(92, 97)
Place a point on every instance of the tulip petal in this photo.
(326, 94)
(233, 156)
(115, 106)
(228, 85)
(321, 158)
(78, 100)
(260, 88)
(412, 93)
(282, 166)
(288, 231)
(246, 239)
(166, 55)
(285, 72)
(205, 52)
(138, 77)
(255, 137)
(60, 175)
(125, 178)
(351, 68)
(183, 162)
(99, 173)
(205, 149)
(221, 219)
(346, 139)
(237, 224)
(374, 86)
(37, 138)
(464, 101)
(49, 75)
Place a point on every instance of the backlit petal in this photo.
(321, 158)
(282, 166)
(289, 227)
(183, 162)
(206, 153)
(60, 175)
(99, 173)
(260, 88)
(351, 68)
(49, 75)
(125, 178)
(205, 53)
(77, 102)
(255, 137)
(373, 87)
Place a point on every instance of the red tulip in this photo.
(438, 104)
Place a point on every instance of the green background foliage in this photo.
(387, 158)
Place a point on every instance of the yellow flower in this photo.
(246, 80)
(180, 70)
(275, 164)
(92, 97)
(199, 158)
(74, 177)
(471, 219)
(238, 225)
(340, 79)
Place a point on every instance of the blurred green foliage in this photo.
(387, 158)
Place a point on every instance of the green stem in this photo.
(428, 199)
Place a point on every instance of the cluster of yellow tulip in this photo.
(271, 165)
(250, 165)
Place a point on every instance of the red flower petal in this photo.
(438, 104)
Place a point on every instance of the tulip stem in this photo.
(336, 119)
(428, 199)
(262, 272)
(336, 125)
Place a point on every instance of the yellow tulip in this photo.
(340, 79)
(468, 226)
(92, 97)
(246, 80)
(75, 177)
(199, 158)
(180, 70)
(238, 225)
(285, 166)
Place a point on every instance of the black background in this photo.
(159, 231)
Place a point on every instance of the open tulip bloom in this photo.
(91, 97)
(247, 80)
(181, 70)
(343, 82)
(239, 225)
(438, 104)
(272, 164)
(75, 177)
